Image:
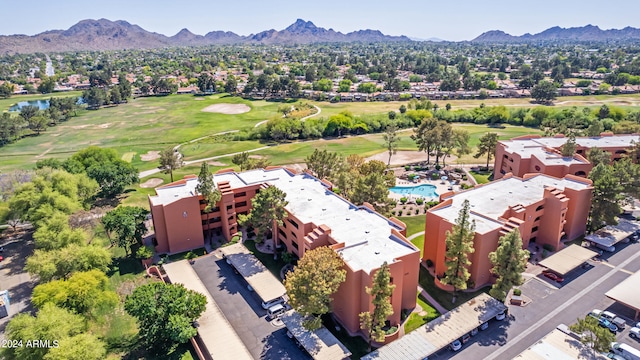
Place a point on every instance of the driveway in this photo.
(242, 309)
(15, 279)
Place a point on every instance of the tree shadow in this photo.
(277, 345)
(125, 265)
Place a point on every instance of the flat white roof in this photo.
(320, 344)
(627, 291)
(557, 345)
(490, 201)
(437, 334)
(366, 234)
(613, 234)
(528, 147)
(267, 286)
(568, 259)
(216, 332)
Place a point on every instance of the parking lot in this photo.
(263, 338)
(15, 279)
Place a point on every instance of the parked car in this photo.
(501, 315)
(474, 332)
(268, 304)
(484, 326)
(465, 338)
(634, 332)
(605, 323)
(456, 345)
(553, 276)
(615, 319)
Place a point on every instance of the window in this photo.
(294, 235)
(537, 219)
(229, 207)
(237, 195)
(293, 223)
(534, 229)
(540, 208)
(537, 168)
(295, 244)
(241, 204)
(282, 233)
(581, 173)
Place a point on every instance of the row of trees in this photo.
(353, 178)
(101, 92)
(32, 120)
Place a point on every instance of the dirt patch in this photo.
(199, 98)
(79, 126)
(217, 163)
(151, 183)
(229, 109)
(150, 156)
(256, 157)
(104, 126)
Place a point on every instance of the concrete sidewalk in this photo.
(432, 301)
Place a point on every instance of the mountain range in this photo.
(556, 33)
(104, 34)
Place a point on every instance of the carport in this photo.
(267, 286)
(613, 234)
(568, 259)
(437, 334)
(557, 345)
(626, 293)
(320, 344)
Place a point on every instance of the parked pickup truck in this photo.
(618, 321)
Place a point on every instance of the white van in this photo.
(276, 310)
(268, 304)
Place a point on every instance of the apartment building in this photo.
(543, 208)
(535, 154)
(315, 217)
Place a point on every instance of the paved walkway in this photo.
(415, 235)
(432, 301)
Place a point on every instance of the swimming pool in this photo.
(422, 190)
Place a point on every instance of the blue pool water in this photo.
(423, 190)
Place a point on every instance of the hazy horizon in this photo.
(415, 19)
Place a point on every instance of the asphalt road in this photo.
(552, 305)
(15, 279)
(243, 311)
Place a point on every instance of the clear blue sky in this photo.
(451, 20)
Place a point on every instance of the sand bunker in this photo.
(151, 183)
(150, 156)
(227, 109)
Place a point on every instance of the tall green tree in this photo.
(459, 244)
(208, 190)
(127, 223)
(59, 264)
(509, 262)
(312, 283)
(372, 184)
(231, 86)
(374, 322)
(487, 146)
(598, 338)
(267, 212)
(544, 92)
(83, 293)
(50, 323)
(425, 136)
(79, 347)
(241, 160)
(170, 160)
(323, 163)
(598, 156)
(607, 196)
(569, 147)
(54, 233)
(391, 140)
(165, 313)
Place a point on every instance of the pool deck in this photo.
(440, 188)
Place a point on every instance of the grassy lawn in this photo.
(415, 224)
(183, 255)
(267, 259)
(481, 178)
(419, 243)
(415, 320)
(444, 297)
(133, 127)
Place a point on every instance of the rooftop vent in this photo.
(366, 231)
(324, 209)
(348, 219)
(308, 199)
(377, 253)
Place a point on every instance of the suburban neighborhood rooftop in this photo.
(489, 202)
(367, 235)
